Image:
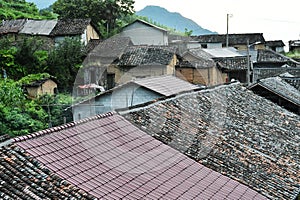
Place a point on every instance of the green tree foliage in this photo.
(17, 9)
(18, 115)
(104, 13)
(22, 57)
(55, 107)
(64, 62)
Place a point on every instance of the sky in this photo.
(277, 20)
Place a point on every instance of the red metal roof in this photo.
(110, 158)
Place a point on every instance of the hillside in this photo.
(172, 20)
(41, 4)
(18, 9)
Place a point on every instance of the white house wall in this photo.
(142, 34)
(125, 97)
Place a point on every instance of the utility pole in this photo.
(227, 39)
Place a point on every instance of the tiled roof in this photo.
(108, 50)
(38, 27)
(147, 55)
(234, 39)
(70, 27)
(225, 58)
(232, 131)
(23, 177)
(12, 26)
(275, 43)
(38, 83)
(4, 138)
(266, 55)
(280, 87)
(166, 85)
(261, 73)
(92, 44)
(110, 158)
(293, 81)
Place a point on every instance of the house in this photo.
(144, 33)
(278, 91)
(213, 66)
(109, 158)
(294, 45)
(81, 28)
(52, 31)
(135, 92)
(239, 41)
(41, 87)
(11, 28)
(292, 80)
(98, 65)
(183, 43)
(275, 45)
(141, 61)
(233, 131)
(23, 177)
(197, 66)
(231, 63)
(268, 63)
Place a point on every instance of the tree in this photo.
(17, 9)
(104, 13)
(64, 62)
(18, 115)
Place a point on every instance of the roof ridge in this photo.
(61, 127)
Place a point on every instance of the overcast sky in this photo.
(276, 19)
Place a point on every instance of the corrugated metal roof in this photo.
(39, 27)
(110, 158)
(166, 85)
(223, 52)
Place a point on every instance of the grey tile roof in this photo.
(4, 137)
(23, 177)
(261, 73)
(70, 27)
(225, 58)
(166, 85)
(147, 55)
(268, 55)
(111, 159)
(280, 87)
(234, 39)
(233, 131)
(109, 50)
(38, 27)
(293, 81)
(12, 26)
(275, 43)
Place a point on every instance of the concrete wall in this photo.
(144, 34)
(129, 95)
(125, 74)
(206, 76)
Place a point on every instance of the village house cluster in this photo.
(175, 117)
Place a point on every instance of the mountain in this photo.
(41, 4)
(172, 19)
